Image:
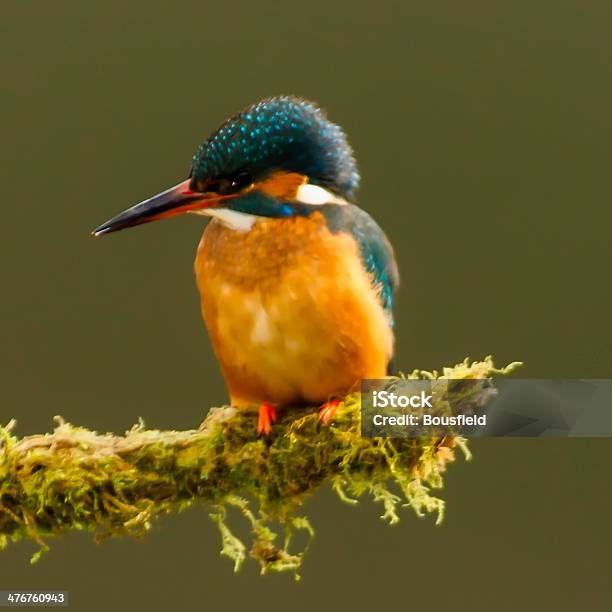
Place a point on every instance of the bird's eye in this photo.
(241, 180)
(224, 185)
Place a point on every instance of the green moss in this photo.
(111, 485)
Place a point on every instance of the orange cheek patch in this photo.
(282, 185)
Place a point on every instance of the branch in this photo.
(76, 479)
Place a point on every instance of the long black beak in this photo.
(174, 201)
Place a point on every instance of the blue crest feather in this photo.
(281, 133)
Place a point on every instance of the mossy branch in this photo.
(76, 479)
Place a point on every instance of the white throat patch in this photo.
(233, 219)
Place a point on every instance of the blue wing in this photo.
(375, 248)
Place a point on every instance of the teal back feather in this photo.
(374, 246)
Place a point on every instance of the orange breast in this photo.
(291, 312)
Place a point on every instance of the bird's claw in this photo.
(267, 416)
(328, 411)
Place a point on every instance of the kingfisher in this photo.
(296, 281)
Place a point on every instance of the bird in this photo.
(296, 282)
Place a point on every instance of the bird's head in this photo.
(277, 158)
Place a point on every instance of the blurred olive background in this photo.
(483, 134)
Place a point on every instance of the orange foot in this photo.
(267, 416)
(328, 410)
